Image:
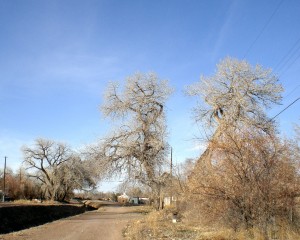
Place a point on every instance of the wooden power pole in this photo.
(171, 164)
(4, 175)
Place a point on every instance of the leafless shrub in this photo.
(249, 180)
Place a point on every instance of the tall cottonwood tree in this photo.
(137, 147)
(235, 97)
(236, 180)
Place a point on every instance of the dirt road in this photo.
(104, 224)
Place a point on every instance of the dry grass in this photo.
(158, 225)
(142, 209)
(34, 201)
(228, 234)
(24, 201)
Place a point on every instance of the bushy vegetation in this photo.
(20, 186)
(248, 178)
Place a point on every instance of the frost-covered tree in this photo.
(137, 146)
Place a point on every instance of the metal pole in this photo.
(3, 197)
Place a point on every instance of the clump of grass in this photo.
(142, 209)
(24, 201)
(158, 225)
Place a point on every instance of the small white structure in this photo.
(134, 200)
(124, 198)
(170, 201)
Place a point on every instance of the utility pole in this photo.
(171, 173)
(171, 165)
(4, 173)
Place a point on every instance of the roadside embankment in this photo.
(18, 217)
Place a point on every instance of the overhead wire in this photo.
(291, 64)
(288, 106)
(264, 28)
(283, 63)
(285, 58)
(293, 90)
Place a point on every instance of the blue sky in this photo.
(56, 58)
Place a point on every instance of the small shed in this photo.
(134, 200)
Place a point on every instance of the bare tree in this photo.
(237, 94)
(75, 174)
(235, 98)
(58, 169)
(247, 176)
(137, 147)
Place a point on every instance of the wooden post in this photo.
(4, 175)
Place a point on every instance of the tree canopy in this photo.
(238, 93)
(138, 145)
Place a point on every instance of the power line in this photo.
(285, 109)
(291, 64)
(293, 90)
(263, 29)
(283, 59)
